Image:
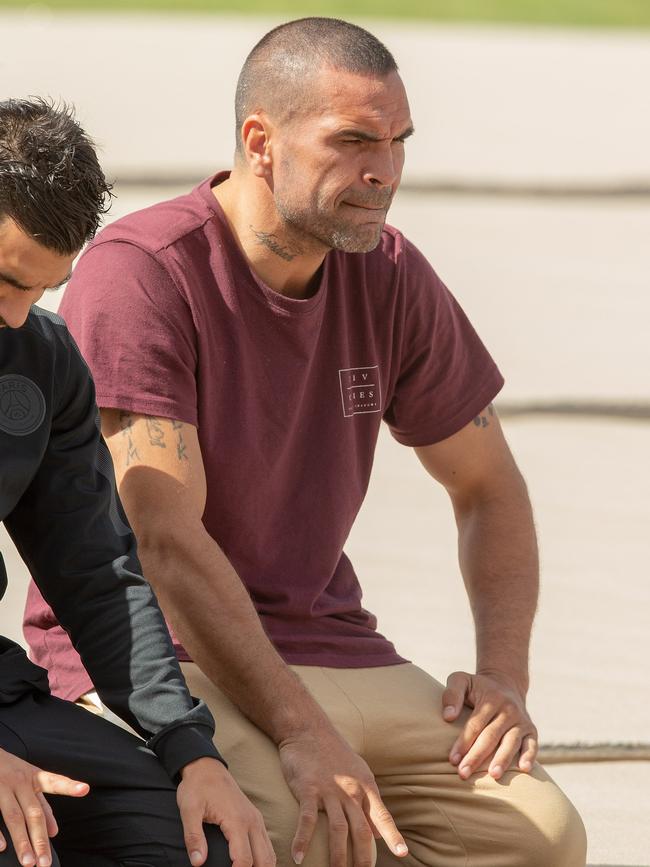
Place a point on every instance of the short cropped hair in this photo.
(274, 74)
(51, 183)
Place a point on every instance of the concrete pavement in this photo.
(496, 103)
(557, 288)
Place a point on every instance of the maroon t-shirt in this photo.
(287, 395)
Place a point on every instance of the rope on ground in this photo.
(629, 410)
(558, 754)
(616, 188)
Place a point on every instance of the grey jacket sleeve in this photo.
(70, 529)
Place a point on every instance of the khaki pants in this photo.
(391, 716)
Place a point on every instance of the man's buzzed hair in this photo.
(274, 74)
(51, 183)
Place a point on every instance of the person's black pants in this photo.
(129, 818)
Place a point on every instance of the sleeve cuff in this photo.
(179, 746)
(437, 432)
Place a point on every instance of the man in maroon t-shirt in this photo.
(247, 339)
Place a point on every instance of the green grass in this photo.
(591, 13)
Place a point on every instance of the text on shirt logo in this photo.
(360, 390)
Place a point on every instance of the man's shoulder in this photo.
(44, 348)
(48, 328)
(392, 238)
(159, 226)
(53, 337)
(394, 259)
(395, 249)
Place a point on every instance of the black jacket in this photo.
(59, 504)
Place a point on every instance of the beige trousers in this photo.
(391, 716)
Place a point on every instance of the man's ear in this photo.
(255, 133)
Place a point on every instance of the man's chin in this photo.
(358, 241)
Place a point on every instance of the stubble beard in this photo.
(313, 227)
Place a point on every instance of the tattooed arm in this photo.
(162, 484)
(498, 559)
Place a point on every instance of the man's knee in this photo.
(553, 835)
(565, 841)
(176, 855)
(8, 857)
(282, 832)
(218, 855)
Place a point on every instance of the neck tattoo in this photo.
(285, 251)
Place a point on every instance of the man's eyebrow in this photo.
(62, 282)
(12, 281)
(408, 132)
(367, 136)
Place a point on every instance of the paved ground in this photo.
(496, 103)
(557, 288)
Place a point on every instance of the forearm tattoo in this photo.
(484, 420)
(181, 448)
(156, 432)
(126, 425)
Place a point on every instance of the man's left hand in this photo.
(499, 727)
(208, 793)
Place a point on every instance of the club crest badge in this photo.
(22, 405)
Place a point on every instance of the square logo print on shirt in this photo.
(360, 390)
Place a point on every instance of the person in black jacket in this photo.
(111, 798)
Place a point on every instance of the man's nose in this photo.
(384, 170)
(16, 309)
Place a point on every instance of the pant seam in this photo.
(449, 822)
(327, 674)
(18, 738)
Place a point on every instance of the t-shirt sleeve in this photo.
(446, 375)
(135, 330)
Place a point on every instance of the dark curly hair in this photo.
(51, 183)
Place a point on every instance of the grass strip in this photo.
(583, 13)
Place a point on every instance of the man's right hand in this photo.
(325, 774)
(27, 815)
